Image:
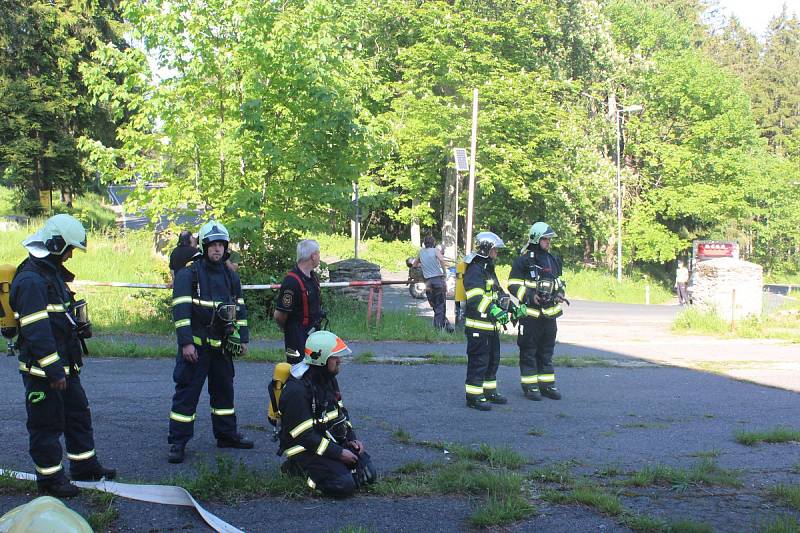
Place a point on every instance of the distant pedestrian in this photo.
(434, 266)
(681, 282)
(183, 254)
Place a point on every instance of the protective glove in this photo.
(520, 312)
(499, 315)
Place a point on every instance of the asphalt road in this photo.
(624, 417)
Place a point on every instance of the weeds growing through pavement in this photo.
(776, 435)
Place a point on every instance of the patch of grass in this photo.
(775, 435)
(581, 362)
(465, 477)
(781, 524)
(416, 467)
(781, 323)
(105, 512)
(705, 472)
(687, 526)
(495, 457)
(536, 432)
(402, 436)
(555, 473)
(591, 495)
(364, 357)
(228, 482)
(788, 494)
(644, 425)
(608, 471)
(497, 511)
(12, 485)
(354, 529)
(641, 522)
(101, 347)
(709, 415)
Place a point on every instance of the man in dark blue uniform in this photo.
(485, 315)
(211, 325)
(535, 281)
(298, 310)
(52, 330)
(316, 434)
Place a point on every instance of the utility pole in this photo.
(473, 150)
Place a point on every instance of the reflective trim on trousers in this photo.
(311, 484)
(183, 322)
(547, 378)
(177, 417)
(529, 380)
(222, 412)
(80, 456)
(474, 390)
(48, 470)
(489, 385)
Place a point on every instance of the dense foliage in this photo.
(265, 113)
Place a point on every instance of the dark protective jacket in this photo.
(313, 416)
(532, 265)
(483, 291)
(301, 304)
(48, 342)
(199, 289)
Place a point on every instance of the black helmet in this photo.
(485, 241)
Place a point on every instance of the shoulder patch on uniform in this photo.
(288, 298)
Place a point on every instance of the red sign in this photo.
(712, 250)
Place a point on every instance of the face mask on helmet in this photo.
(486, 241)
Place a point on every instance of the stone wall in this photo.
(354, 270)
(731, 287)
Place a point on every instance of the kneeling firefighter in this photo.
(486, 313)
(211, 326)
(535, 281)
(52, 332)
(316, 434)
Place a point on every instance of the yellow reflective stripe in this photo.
(489, 385)
(182, 300)
(47, 470)
(181, 418)
(222, 412)
(520, 292)
(473, 389)
(323, 445)
(49, 360)
(311, 484)
(484, 304)
(529, 380)
(472, 293)
(547, 378)
(241, 322)
(531, 284)
(183, 322)
(240, 301)
(294, 450)
(80, 456)
(330, 415)
(550, 311)
(301, 427)
(340, 403)
(66, 370)
(515, 281)
(205, 303)
(33, 317)
(34, 371)
(56, 308)
(531, 311)
(480, 324)
(197, 340)
(215, 343)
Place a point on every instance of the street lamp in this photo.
(636, 108)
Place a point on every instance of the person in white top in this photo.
(434, 267)
(681, 281)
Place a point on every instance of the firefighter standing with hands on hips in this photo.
(535, 282)
(52, 329)
(485, 315)
(211, 325)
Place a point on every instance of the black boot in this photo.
(237, 441)
(177, 452)
(532, 392)
(499, 399)
(96, 474)
(59, 487)
(550, 391)
(478, 403)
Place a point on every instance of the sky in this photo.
(755, 14)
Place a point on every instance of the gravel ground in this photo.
(622, 417)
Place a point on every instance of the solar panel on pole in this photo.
(460, 155)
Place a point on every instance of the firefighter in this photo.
(52, 329)
(316, 434)
(211, 326)
(535, 282)
(298, 311)
(484, 317)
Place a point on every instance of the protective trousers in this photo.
(536, 341)
(332, 477)
(52, 413)
(483, 359)
(436, 291)
(189, 379)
